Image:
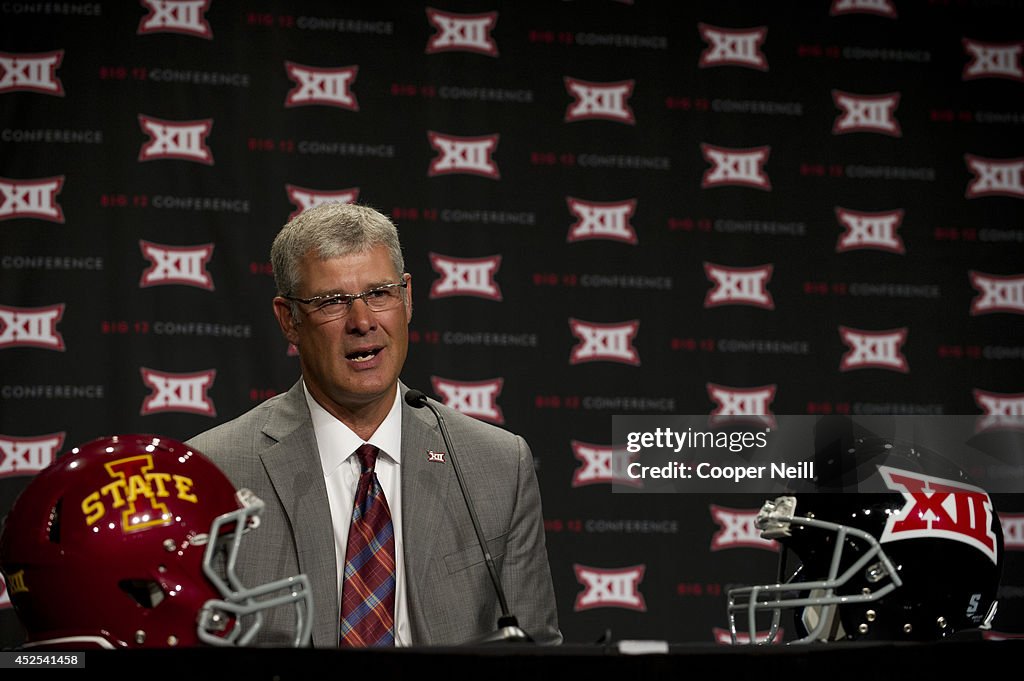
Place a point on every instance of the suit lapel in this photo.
(294, 468)
(425, 488)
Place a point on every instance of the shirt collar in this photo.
(337, 442)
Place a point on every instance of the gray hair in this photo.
(330, 230)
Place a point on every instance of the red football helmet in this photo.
(130, 542)
(916, 557)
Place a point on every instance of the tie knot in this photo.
(367, 454)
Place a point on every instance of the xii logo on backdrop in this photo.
(610, 588)
(186, 17)
(31, 72)
(28, 455)
(35, 199)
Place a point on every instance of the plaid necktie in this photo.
(368, 590)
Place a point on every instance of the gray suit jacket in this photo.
(272, 450)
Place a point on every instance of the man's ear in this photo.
(408, 297)
(286, 320)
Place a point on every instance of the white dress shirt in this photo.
(338, 444)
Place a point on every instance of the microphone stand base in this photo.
(507, 634)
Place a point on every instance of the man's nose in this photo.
(360, 317)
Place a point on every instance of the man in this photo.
(345, 301)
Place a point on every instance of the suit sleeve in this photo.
(526, 574)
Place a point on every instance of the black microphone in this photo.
(508, 626)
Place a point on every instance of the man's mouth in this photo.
(362, 355)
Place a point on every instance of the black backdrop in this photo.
(783, 207)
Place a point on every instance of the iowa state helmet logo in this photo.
(139, 493)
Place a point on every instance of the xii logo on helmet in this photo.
(940, 508)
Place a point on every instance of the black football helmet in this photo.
(917, 556)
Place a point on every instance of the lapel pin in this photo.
(435, 456)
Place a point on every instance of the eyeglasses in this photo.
(337, 305)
